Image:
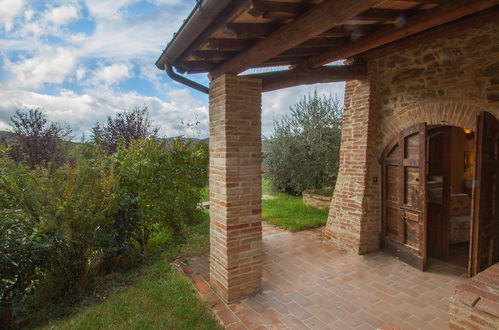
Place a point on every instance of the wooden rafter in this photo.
(382, 14)
(323, 42)
(327, 74)
(317, 20)
(235, 9)
(275, 9)
(250, 30)
(229, 44)
(415, 24)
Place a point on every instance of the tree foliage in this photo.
(303, 150)
(124, 128)
(161, 184)
(37, 142)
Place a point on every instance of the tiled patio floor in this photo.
(310, 285)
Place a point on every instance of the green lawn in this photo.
(158, 299)
(287, 212)
(290, 213)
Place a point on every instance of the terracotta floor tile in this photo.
(316, 324)
(307, 284)
(298, 311)
(294, 323)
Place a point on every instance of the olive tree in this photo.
(303, 150)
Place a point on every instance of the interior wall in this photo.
(462, 146)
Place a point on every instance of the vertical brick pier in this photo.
(475, 303)
(353, 220)
(235, 187)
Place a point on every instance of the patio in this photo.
(309, 285)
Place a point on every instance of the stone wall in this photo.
(475, 303)
(313, 199)
(445, 82)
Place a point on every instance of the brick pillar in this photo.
(353, 222)
(475, 303)
(235, 187)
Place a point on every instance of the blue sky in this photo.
(82, 60)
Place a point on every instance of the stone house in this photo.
(419, 162)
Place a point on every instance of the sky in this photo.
(83, 60)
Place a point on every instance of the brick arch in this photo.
(434, 113)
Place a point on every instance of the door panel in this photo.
(484, 248)
(404, 197)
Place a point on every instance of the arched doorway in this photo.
(439, 196)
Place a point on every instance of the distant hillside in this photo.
(193, 139)
(9, 136)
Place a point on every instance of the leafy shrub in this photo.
(53, 230)
(303, 151)
(61, 227)
(22, 247)
(159, 184)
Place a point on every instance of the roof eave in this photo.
(199, 19)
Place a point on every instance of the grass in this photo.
(205, 194)
(290, 213)
(285, 211)
(158, 298)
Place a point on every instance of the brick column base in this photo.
(475, 303)
(353, 222)
(235, 187)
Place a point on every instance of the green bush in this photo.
(55, 228)
(303, 151)
(61, 227)
(159, 185)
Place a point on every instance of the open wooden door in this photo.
(484, 240)
(404, 197)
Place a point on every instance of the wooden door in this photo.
(404, 197)
(438, 202)
(484, 240)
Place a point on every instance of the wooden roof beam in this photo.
(229, 44)
(260, 8)
(283, 79)
(317, 20)
(381, 14)
(415, 24)
(234, 10)
(250, 30)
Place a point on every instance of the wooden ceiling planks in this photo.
(313, 22)
(261, 33)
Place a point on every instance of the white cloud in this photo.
(9, 10)
(53, 65)
(48, 21)
(80, 73)
(107, 8)
(112, 74)
(81, 111)
(61, 15)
